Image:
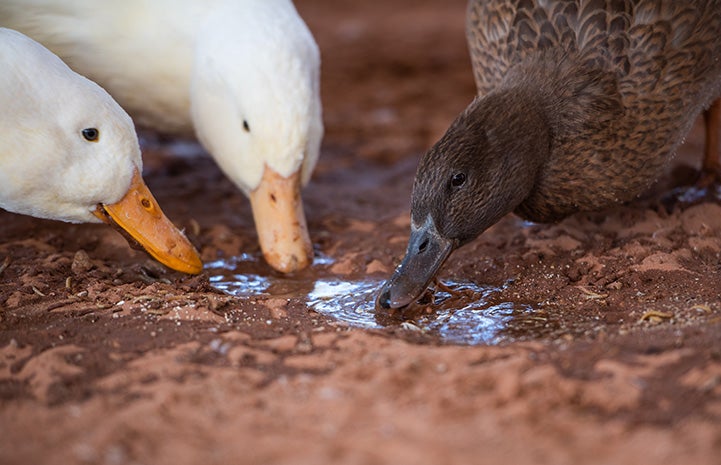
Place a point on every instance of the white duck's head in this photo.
(69, 152)
(255, 104)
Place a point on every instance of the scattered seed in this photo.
(702, 308)
(37, 291)
(592, 295)
(655, 316)
(157, 311)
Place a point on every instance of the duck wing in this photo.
(650, 45)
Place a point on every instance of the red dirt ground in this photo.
(107, 358)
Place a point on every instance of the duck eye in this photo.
(246, 126)
(458, 180)
(91, 134)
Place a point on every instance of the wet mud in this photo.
(593, 340)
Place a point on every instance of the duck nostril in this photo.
(384, 300)
(423, 246)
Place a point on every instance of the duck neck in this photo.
(574, 107)
(518, 134)
(574, 98)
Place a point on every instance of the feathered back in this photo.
(651, 45)
(627, 78)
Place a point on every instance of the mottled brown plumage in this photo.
(652, 65)
(581, 103)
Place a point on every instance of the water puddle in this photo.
(228, 276)
(349, 302)
(461, 313)
(472, 315)
(238, 276)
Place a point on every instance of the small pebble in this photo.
(81, 263)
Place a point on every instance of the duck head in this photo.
(480, 170)
(255, 104)
(69, 152)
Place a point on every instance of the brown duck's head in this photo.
(480, 170)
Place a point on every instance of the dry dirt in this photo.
(610, 353)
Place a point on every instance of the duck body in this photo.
(581, 104)
(69, 152)
(621, 83)
(242, 75)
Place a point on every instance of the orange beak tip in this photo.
(280, 222)
(139, 218)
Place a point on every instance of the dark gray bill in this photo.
(427, 250)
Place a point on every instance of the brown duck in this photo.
(580, 105)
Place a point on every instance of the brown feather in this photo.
(640, 72)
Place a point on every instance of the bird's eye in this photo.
(246, 126)
(458, 180)
(91, 134)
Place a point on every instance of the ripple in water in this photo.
(232, 276)
(237, 284)
(480, 321)
(350, 302)
(472, 315)
(240, 285)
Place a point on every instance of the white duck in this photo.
(69, 152)
(243, 74)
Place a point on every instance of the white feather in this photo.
(47, 168)
(207, 66)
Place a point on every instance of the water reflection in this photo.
(240, 285)
(460, 313)
(237, 276)
(478, 320)
(350, 302)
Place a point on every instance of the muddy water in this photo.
(452, 313)
(464, 314)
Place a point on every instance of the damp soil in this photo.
(594, 340)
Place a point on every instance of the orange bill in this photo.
(139, 216)
(280, 222)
